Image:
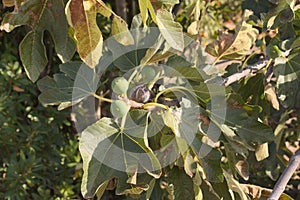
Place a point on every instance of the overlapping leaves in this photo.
(108, 152)
(40, 16)
(234, 46)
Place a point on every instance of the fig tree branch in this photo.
(285, 177)
(251, 69)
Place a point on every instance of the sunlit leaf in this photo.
(287, 71)
(82, 17)
(234, 46)
(271, 96)
(8, 3)
(145, 6)
(262, 152)
(235, 185)
(170, 30)
(103, 9)
(120, 30)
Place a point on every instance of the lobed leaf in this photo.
(233, 46)
(109, 152)
(41, 16)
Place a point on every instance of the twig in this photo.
(285, 177)
(252, 69)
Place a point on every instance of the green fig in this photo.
(119, 108)
(120, 85)
(148, 73)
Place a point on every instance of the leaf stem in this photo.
(102, 98)
(156, 105)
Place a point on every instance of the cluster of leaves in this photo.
(39, 153)
(185, 136)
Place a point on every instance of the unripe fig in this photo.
(148, 73)
(120, 85)
(119, 108)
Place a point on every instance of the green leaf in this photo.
(108, 152)
(183, 69)
(76, 82)
(212, 166)
(170, 30)
(129, 57)
(41, 16)
(207, 191)
(235, 186)
(245, 129)
(183, 184)
(287, 72)
(82, 18)
(234, 46)
(155, 54)
(34, 61)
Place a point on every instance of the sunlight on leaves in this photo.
(82, 18)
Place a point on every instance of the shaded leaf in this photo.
(243, 169)
(73, 85)
(108, 152)
(129, 57)
(235, 185)
(246, 129)
(183, 184)
(212, 166)
(34, 61)
(208, 191)
(41, 16)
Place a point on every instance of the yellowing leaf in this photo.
(120, 31)
(103, 9)
(271, 96)
(262, 152)
(233, 46)
(82, 17)
(193, 28)
(8, 3)
(146, 5)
